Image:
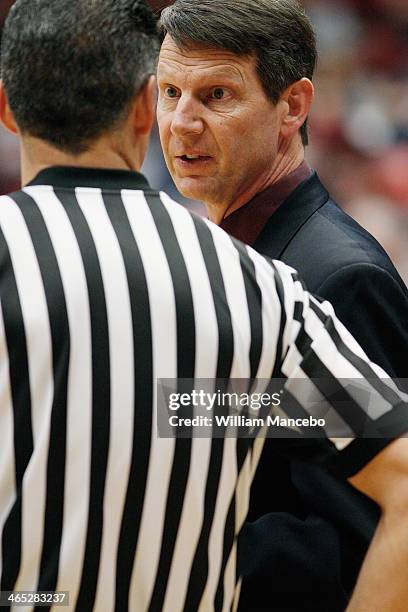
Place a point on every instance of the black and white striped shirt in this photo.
(105, 286)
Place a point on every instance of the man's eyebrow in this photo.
(165, 72)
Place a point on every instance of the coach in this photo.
(235, 90)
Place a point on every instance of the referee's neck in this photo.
(36, 155)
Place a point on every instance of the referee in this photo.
(106, 286)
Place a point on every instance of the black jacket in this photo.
(307, 533)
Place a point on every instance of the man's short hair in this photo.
(71, 68)
(277, 32)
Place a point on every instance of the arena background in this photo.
(359, 123)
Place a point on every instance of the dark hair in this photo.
(277, 32)
(71, 69)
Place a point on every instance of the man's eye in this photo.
(170, 92)
(217, 93)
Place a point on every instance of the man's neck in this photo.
(287, 160)
(37, 155)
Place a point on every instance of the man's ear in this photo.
(144, 108)
(298, 99)
(6, 116)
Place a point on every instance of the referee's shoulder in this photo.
(5, 199)
(12, 197)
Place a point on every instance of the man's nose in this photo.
(187, 119)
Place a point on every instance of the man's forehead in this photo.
(207, 60)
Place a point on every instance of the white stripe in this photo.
(79, 401)
(236, 596)
(229, 261)
(7, 465)
(229, 579)
(241, 511)
(231, 271)
(205, 368)
(226, 490)
(39, 354)
(122, 386)
(271, 314)
(190, 526)
(204, 310)
(163, 321)
(289, 295)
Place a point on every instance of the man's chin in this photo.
(194, 188)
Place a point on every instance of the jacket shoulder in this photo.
(331, 240)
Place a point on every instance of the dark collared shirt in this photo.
(247, 222)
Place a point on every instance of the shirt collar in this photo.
(248, 221)
(71, 177)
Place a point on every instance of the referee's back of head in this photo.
(71, 70)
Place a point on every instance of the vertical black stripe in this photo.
(254, 304)
(244, 445)
(100, 399)
(228, 540)
(279, 358)
(60, 338)
(279, 343)
(298, 311)
(298, 279)
(186, 347)
(254, 300)
(143, 377)
(222, 310)
(303, 342)
(21, 400)
(186, 337)
(199, 568)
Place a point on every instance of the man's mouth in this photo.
(193, 158)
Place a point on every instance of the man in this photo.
(107, 286)
(235, 91)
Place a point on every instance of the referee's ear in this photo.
(144, 108)
(6, 116)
